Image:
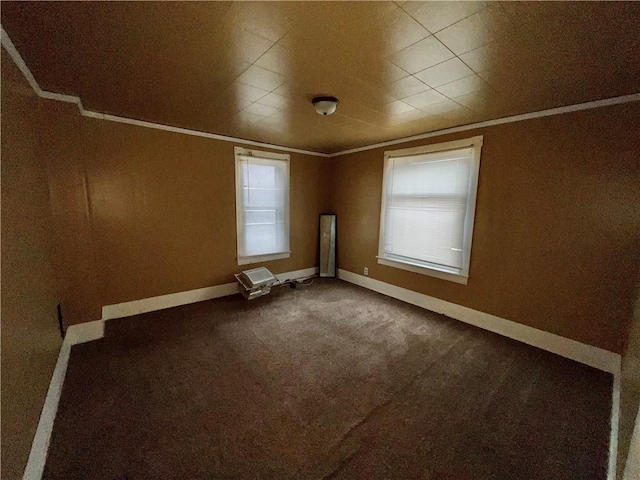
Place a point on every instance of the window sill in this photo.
(263, 258)
(430, 271)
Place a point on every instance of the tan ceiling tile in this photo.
(246, 45)
(239, 104)
(462, 116)
(392, 72)
(481, 58)
(441, 108)
(437, 15)
(363, 114)
(261, 109)
(284, 90)
(290, 40)
(405, 117)
(278, 122)
(475, 31)
(406, 87)
(532, 56)
(469, 84)
(371, 71)
(444, 72)
(425, 99)
(270, 21)
(277, 59)
(261, 78)
(421, 55)
(483, 102)
(397, 107)
(427, 124)
(248, 92)
(275, 100)
(244, 117)
(530, 92)
(349, 123)
(400, 31)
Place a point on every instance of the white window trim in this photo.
(262, 258)
(239, 151)
(459, 276)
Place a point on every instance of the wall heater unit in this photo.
(255, 283)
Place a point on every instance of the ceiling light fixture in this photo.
(325, 105)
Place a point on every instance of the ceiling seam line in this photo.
(22, 66)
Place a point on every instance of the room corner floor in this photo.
(329, 381)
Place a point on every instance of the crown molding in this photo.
(19, 61)
(635, 97)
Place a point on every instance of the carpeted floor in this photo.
(330, 381)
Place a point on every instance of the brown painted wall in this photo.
(629, 389)
(30, 337)
(557, 230)
(62, 147)
(143, 212)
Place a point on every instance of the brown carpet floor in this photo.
(330, 381)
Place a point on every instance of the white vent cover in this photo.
(257, 277)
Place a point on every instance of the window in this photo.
(428, 204)
(262, 205)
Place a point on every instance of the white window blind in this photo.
(262, 205)
(428, 206)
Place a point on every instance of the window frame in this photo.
(284, 157)
(446, 273)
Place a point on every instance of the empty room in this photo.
(320, 240)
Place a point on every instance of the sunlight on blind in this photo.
(426, 207)
(263, 209)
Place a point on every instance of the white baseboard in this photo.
(40, 445)
(632, 467)
(161, 302)
(84, 332)
(614, 425)
(565, 347)
(580, 352)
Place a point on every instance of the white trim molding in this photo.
(279, 163)
(431, 271)
(76, 334)
(632, 467)
(85, 332)
(40, 444)
(89, 331)
(580, 352)
(263, 258)
(19, 61)
(614, 424)
(144, 305)
(17, 58)
(470, 148)
(605, 102)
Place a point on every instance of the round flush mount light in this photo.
(325, 105)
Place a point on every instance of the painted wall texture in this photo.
(30, 293)
(97, 213)
(557, 226)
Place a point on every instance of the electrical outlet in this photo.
(366, 271)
